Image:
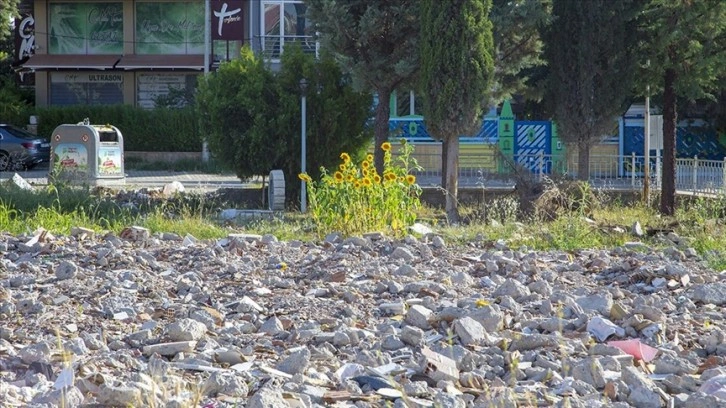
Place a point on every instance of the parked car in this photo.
(20, 149)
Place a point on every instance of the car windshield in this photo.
(19, 133)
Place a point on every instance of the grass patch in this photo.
(60, 208)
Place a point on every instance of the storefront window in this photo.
(85, 28)
(84, 88)
(170, 27)
(171, 89)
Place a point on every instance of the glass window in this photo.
(83, 88)
(285, 21)
(169, 27)
(85, 28)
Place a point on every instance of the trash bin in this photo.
(87, 154)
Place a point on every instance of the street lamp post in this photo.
(303, 137)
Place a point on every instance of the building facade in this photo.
(103, 52)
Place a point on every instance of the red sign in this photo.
(227, 21)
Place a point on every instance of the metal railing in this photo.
(272, 46)
(693, 175)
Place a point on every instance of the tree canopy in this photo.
(457, 66)
(686, 48)
(592, 64)
(376, 41)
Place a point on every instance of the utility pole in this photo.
(207, 50)
(646, 142)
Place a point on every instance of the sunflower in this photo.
(349, 177)
(338, 176)
(386, 147)
(410, 179)
(367, 182)
(365, 172)
(376, 178)
(356, 184)
(369, 157)
(304, 177)
(341, 167)
(365, 164)
(344, 156)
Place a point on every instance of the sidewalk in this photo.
(149, 179)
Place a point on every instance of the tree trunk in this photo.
(452, 179)
(668, 190)
(383, 112)
(444, 153)
(583, 161)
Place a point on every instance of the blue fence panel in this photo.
(532, 141)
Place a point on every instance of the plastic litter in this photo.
(636, 348)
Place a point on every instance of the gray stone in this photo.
(413, 336)
(419, 316)
(416, 388)
(227, 383)
(512, 288)
(632, 377)
(590, 371)
(186, 330)
(438, 242)
(406, 270)
(39, 352)
(470, 331)
(667, 363)
(491, 317)
(598, 302)
(402, 253)
(710, 293)
(533, 342)
(391, 342)
(64, 397)
(642, 397)
(267, 398)
(66, 270)
(462, 279)
(272, 326)
(123, 396)
(296, 363)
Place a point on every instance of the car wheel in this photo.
(4, 161)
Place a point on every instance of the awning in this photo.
(48, 61)
(191, 61)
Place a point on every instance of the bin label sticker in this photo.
(71, 157)
(109, 161)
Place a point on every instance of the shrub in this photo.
(252, 115)
(356, 199)
(154, 130)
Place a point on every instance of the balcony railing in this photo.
(272, 46)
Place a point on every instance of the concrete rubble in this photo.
(144, 319)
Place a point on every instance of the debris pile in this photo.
(143, 319)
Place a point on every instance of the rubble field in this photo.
(160, 320)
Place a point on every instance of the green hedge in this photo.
(156, 130)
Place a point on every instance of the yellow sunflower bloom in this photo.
(338, 176)
(386, 147)
(349, 177)
(356, 184)
(366, 164)
(367, 182)
(341, 167)
(304, 177)
(345, 157)
(377, 178)
(369, 157)
(365, 172)
(410, 179)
